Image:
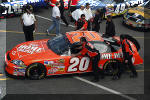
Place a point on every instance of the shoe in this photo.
(133, 75)
(102, 77)
(115, 77)
(95, 80)
(47, 32)
(67, 25)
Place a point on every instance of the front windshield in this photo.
(59, 44)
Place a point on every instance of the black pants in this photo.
(72, 8)
(95, 68)
(63, 17)
(28, 32)
(96, 27)
(130, 64)
(89, 26)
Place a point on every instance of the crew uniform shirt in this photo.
(89, 50)
(28, 19)
(55, 12)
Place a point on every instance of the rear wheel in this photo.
(36, 71)
(112, 67)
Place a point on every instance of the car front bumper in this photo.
(13, 69)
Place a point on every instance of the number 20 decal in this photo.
(83, 64)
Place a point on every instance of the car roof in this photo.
(75, 36)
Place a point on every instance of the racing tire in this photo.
(111, 70)
(36, 71)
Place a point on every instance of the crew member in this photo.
(56, 19)
(96, 21)
(81, 24)
(62, 9)
(110, 27)
(128, 54)
(89, 50)
(29, 23)
(89, 16)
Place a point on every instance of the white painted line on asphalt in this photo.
(52, 20)
(105, 88)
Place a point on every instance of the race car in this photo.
(15, 7)
(40, 58)
(111, 7)
(138, 18)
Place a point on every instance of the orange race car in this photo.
(40, 58)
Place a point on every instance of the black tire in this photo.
(36, 71)
(110, 69)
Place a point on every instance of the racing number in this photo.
(8, 9)
(83, 64)
(88, 35)
(120, 8)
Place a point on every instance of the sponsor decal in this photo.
(61, 60)
(48, 62)
(118, 55)
(55, 69)
(106, 56)
(20, 72)
(54, 66)
(15, 73)
(13, 52)
(109, 56)
(52, 70)
(29, 49)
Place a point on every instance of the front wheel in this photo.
(36, 71)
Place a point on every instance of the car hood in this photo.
(31, 49)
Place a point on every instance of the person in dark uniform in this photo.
(110, 28)
(61, 7)
(128, 54)
(96, 21)
(89, 50)
(81, 24)
(29, 23)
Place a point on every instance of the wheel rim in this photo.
(110, 70)
(36, 72)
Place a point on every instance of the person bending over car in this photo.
(127, 54)
(81, 24)
(88, 49)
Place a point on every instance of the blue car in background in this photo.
(112, 7)
(15, 7)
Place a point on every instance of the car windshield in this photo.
(59, 44)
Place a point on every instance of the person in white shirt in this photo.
(29, 23)
(56, 19)
(78, 12)
(88, 15)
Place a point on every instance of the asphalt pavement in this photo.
(67, 84)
